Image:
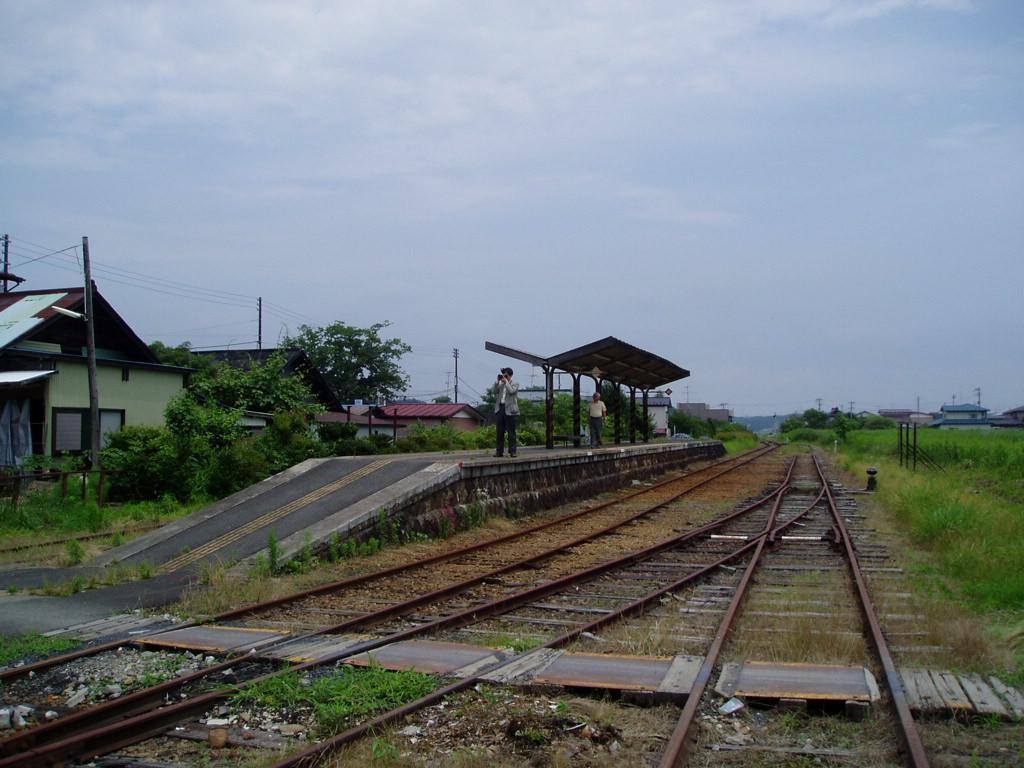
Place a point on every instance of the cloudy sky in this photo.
(794, 199)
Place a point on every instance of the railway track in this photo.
(598, 522)
(694, 590)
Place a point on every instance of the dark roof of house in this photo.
(1018, 409)
(609, 359)
(28, 317)
(964, 408)
(659, 402)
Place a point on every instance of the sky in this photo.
(792, 199)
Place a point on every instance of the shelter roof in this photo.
(607, 358)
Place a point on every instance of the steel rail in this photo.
(676, 750)
(908, 729)
(371, 618)
(138, 727)
(312, 755)
(52, 661)
(351, 581)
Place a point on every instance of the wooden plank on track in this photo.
(922, 695)
(952, 694)
(1011, 696)
(984, 699)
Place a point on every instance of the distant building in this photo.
(963, 416)
(1015, 413)
(658, 409)
(906, 415)
(395, 420)
(702, 412)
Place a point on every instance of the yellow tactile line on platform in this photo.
(270, 517)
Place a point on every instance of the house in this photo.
(1015, 413)
(658, 409)
(702, 412)
(963, 416)
(44, 386)
(905, 415)
(296, 363)
(394, 420)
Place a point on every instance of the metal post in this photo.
(259, 323)
(632, 415)
(618, 412)
(549, 407)
(915, 447)
(899, 442)
(576, 420)
(90, 346)
(647, 420)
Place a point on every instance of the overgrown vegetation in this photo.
(44, 512)
(14, 648)
(337, 699)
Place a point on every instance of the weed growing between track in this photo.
(31, 647)
(336, 698)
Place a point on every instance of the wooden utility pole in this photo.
(90, 348)
(259, 321)
(455, 354)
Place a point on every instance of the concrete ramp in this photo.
(312, 500)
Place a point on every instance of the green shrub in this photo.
(238, 466)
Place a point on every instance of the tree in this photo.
(358, 363)
(181, 355)
(815, 419)
(262, 387)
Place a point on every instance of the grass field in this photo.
(965, 521)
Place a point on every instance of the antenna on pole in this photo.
(259, 321)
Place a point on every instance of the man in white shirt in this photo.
(598, 410)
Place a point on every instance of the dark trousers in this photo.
(506, 423)
(596, 430)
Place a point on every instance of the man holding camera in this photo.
(506, 411)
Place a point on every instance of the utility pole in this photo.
(455, 354)
(90, 348)
(818, 400)
(7, 266)
(259, 322)
(954, 398)
(918, 404)
(851, 407)
(977, 391)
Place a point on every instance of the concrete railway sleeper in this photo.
(58, 745)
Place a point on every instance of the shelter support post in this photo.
(632, 415)
(647, 420)
(576, 422)
(549, 407)
(618, 412)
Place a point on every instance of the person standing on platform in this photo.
(506, 411)
(598, 410)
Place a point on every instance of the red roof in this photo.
(427, 410)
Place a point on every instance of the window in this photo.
(126, 374)
(71, 428)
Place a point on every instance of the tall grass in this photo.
(43, 511)
(969, 516)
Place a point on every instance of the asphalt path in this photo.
(21, 613)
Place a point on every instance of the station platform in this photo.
(318, 500)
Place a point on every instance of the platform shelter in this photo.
(608, 359)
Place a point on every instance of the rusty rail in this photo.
(87, 740)
(908, 729)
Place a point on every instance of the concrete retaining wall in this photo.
(520, 487)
